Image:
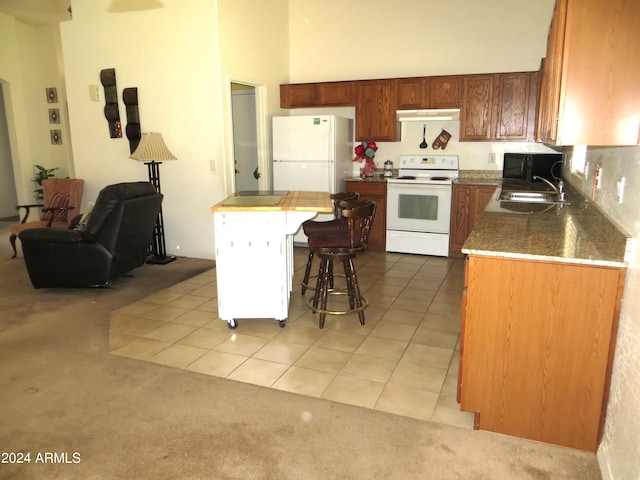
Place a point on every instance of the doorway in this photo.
(8, 194)
(245, 137)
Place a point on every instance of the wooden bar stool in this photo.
(342, 245)
(311, 228)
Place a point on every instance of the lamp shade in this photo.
(152, 149)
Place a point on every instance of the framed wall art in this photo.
(56, 137)
(54, 115)
(52, 95)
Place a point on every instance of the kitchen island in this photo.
(543, 286)
(254, 250)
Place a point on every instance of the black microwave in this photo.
(524, 166)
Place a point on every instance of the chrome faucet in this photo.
(559, 189)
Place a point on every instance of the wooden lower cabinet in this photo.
(468, 201)
(377, 192)
(537, 347)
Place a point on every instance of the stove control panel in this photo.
(429, 162)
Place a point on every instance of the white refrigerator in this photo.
(314, 153)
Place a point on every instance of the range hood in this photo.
(426, 115)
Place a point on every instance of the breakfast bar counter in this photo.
(254, 250)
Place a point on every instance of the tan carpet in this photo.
(61, 392)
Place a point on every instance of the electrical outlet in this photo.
(620, 189)
(94, 92)
(492, 157)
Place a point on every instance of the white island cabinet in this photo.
(254, 252)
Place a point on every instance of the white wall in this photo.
(29, 63)
(254, 50)
(170, 55)
(8, 197)
(338, 40)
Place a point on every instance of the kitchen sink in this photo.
(530, 197)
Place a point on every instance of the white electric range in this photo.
(419, 204)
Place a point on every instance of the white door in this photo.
(245, 147)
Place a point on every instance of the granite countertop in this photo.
(575, 233)
(479, 177)
(373, 179)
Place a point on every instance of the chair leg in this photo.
(12, 240)
(356, 289)
(323, 284)
(316, 293)
(307, 272)
(330, 273)
(347, 275)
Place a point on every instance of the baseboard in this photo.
(603, 462)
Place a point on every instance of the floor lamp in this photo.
(153, 151)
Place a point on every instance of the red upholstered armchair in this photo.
(62, 202)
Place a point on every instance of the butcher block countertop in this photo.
(297, 201)
(576, 233)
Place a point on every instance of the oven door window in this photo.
(418, 209)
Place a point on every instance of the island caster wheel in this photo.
(282, 323)
(232, 324)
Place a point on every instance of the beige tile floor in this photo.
(403, 361)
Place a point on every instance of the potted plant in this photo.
(42, 174)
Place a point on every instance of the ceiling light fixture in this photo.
(119, 6)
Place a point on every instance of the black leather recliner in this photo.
(114, 240)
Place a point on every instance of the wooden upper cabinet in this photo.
(551, 73)
(412, 93)
(493, 106)
(376, 111)
(589, 87)
(298, 95)
(513, 94)
(326, 94)
(444, 92)
(477, 107)
(429, 92)
(336, 94)
(499, 107)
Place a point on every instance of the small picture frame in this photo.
(54, 115)
(52, 95)
(56, 137)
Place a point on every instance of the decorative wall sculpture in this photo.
(111, 110)
(133, 130)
